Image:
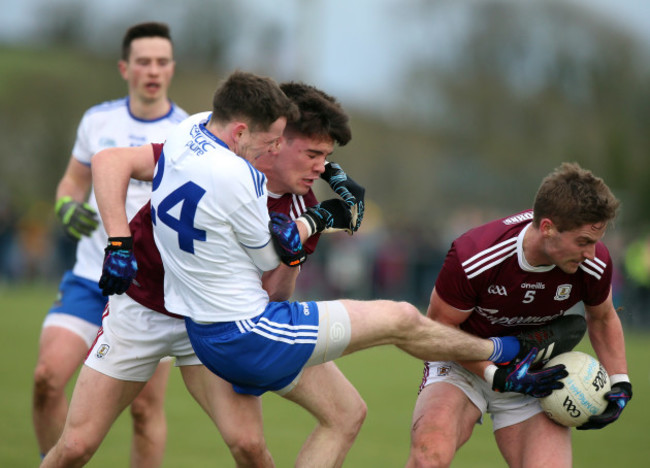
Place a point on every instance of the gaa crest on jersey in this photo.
(497, 289)
(103, 350)
(562, 293)
(443, 371)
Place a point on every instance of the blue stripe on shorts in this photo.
(262, 353)
(79, 297)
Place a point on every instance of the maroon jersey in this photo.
(148, 286)
(486, 274)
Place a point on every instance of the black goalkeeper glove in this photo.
(346, 188)
(286, 240)
(557, 337)
(78, 219)
(618, 397)
(330, 215)
(518, 378)
(119, 267)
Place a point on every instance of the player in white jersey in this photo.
(137, 328)
(205, 195)
(71, 325)
(515, 275)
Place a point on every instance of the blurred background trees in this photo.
(490, 97)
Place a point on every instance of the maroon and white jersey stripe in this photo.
(486, 274)
(148, 286)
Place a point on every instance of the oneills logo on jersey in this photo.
(103, 350)
(442, 371)
(563, 292)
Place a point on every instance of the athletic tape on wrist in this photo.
(488, 374)
(307, 223)
(616, 378)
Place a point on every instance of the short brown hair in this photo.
(321, 116)
(138, 31)
(257, 100)
(571, 197)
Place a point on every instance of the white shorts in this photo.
(133, 339)
(87, 331)
(505, 409)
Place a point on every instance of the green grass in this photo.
(385, 377)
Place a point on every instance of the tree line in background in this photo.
(527, 88)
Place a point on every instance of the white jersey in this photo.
(208, 205)
(106, 125)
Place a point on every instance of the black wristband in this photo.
(120, 243)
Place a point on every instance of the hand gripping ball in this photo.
(583, 392)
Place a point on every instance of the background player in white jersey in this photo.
(307, 142)
(71, 325)
(516, 275)
(212, 231)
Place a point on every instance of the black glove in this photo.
(119, 267)
(618, 398)
(330, 215)
(559, 336)
(517, 378)
(346, 188)
(286, 239)
(78, 219)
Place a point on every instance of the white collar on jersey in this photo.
(523, 263)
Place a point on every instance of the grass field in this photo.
(386, 378)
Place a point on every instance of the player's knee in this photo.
(247, 449)
(144, 413)
(46, 384)
(407, 319)
(75, 450)
(428, 451)
(346, 418)
(354, 417)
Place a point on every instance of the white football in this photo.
(583, 392)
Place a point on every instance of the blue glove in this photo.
(346, 188)
(618, 397)
(119, 267)
(78, 219)
(286, 239)
(517, 378)
(330, 215)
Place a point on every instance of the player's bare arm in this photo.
(442, 312)
(75, 182)
(606, 336)
(112, 169)
(280, 283)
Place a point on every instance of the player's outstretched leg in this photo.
(375, 323)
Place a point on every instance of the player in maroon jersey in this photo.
(291, 174)
(511, 276)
